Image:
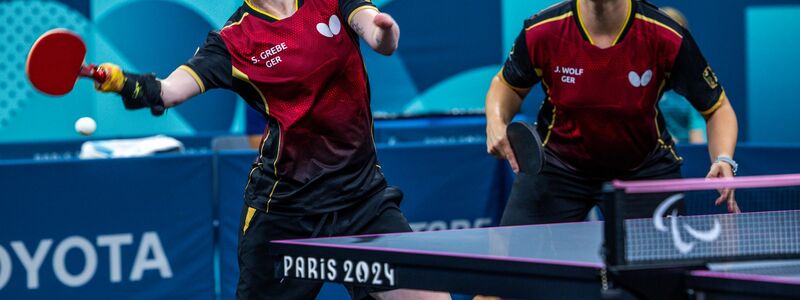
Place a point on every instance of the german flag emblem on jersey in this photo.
(710, 78)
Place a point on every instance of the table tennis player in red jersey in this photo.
(603, 65)
(298, 63)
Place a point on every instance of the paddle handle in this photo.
(93, 72)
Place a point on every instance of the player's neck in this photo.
(278, 8)
(604, 19)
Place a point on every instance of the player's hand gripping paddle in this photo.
(56, 61)
(527, 147)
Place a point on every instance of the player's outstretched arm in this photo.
(502, 104)
(178, 87)
(723, 130)
(379, 30)
(146, 91)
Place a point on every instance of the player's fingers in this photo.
(719, 200)
(497, 153)
(489, 149)
(733, 207)
(723, 196)
(495, 138)
(493, 148)
(115, 78)
(514, 166)
(716, 172)
(505, 147)
(512, 160)
(489, 143)
(157, 110)
(500, 147)
(713, 172)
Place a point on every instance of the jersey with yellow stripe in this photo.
(305, 73)
(600, 115)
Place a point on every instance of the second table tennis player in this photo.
(603, 65)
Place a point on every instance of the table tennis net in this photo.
(682, 223)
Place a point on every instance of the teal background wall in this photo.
(141, 36)
(773, 61)
(449, 51)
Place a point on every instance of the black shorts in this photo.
(379, 213)
(558, 195)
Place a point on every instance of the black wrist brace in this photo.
(140, 91)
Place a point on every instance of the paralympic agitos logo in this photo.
(682, 246)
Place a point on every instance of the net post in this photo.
(613, 227)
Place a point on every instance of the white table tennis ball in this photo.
(85, 126)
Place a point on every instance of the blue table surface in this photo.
(573, 244)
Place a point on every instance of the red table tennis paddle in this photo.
(56, 61)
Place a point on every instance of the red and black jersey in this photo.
(306, 75)
(600, 115)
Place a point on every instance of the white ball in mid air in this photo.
(85, 126)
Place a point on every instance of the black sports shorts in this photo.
(379, 213)
(558, 195)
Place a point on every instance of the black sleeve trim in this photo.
(196, 77)
(349, 8)
(715, 107)
(518, 71)
(211, 65)
(654, 14)
(236, 17)
(693, 78)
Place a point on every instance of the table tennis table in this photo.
(664, 255)
(555, 261)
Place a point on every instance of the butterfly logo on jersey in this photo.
(331, 29)
(640, 81)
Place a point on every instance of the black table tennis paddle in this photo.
(527, 147)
